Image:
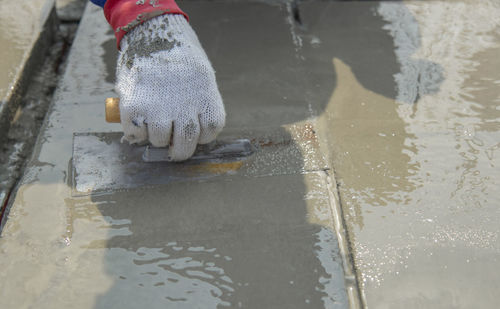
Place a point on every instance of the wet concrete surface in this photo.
(263, 236)
(399, 100)
(412, 134)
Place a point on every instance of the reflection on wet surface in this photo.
(419, 173)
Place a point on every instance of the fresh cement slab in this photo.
(265, 239)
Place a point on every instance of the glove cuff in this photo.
(124, 15)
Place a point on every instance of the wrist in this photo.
(124, 15)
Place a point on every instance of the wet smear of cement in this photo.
(191, 130)
(139, 20)
(146, 41)
(145, 47)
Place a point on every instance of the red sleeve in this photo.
(123, 15)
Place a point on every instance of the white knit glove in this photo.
(167, 87)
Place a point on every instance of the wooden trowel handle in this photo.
(113, 110)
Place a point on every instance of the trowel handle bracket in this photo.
(112, 110)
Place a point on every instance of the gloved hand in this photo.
(167, 87)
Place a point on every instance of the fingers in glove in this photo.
(185, 138)
(134, 129)
(212, 122)
(160, 132)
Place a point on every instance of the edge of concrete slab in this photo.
(32, 60)
(354, 293)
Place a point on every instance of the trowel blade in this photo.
(102, 163)
(229, 150)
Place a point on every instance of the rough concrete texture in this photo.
(26, 31)
(265, 238)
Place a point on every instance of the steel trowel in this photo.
(101, 161)
(228, 149)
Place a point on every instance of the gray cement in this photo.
(256, 236)
(399, 100)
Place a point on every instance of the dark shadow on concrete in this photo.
(364, 47)
(214, 244)
(245, 242)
